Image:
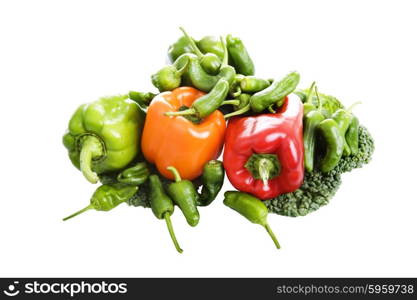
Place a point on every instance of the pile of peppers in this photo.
(160, 149)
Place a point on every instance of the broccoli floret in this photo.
(318, 188)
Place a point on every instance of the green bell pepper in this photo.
(104, 136)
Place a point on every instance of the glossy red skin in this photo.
(280, 134)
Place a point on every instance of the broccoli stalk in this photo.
(318, 188)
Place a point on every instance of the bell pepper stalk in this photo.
(264, 153)
(175, 140)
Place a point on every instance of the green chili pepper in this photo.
(135, 175)
(210, 62)
(104, 136)
(239, 56)
(181, 46)
(206, 104)
(185, 196)
(213, 177)
(107, 197)
(275, 93)
(162, 206)
(168, 78)
(311, 121)
(197, 77)
(211, 44)
(352, 136)
(251, 208)
(343, 119)
(141, 98)
(330, 131)
(252, 84)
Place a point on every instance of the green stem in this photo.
(78, 212)
(226, 54)
(171, 232)
(192, 43)
(232, 102)
(184, 68)
(174, 171)
(271, 109)
(91, 148)
(318, 98)
(272, 235)
(353, 106)
(238, 112)
(187, 112)
(237, 93)
(265, 166)
(310, 92)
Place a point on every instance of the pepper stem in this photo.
(174, 171)
(237, 93)
(171, 232)
(310, 92)
(271, 109)
(265, 166)
(192, 43)
(226, 54)
(232, 102)
(187, 112)
(318, 98)
(272, 235)
(238, 112)
(353, 106)
(91, 148)
(78, 212)
(184, 68)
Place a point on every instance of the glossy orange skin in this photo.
(176, 141)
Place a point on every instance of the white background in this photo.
(55, 55)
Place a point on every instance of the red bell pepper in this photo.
(263, 154)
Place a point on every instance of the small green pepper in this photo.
(107, 197)
(311, 120)
(198, 78)
(211, 44)
(352, 136)
(208, 103)
(251, 208)
(239, 56)
(135, 175)
(330, 131)
(343, 119)
(252, 84)
(104, 136)
(213, 177)
(181, 46)
(210, 62)
(185, 196)
(162, 206)
(275, 93)
(168, 78)
(141, 98)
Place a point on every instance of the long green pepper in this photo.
(162, 206)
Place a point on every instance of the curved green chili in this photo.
(252, 84)
(275, 93)
(135, 175)
(162, 206)
(239, 56)
(251, 208)
(330, 131)
(213, 178)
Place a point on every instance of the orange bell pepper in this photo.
(176, 141)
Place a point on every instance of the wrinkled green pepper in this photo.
(185, 196)
(107, 197)
(239, 56)
(213, 178)
(104, 136)
(162, 206)
(135, 175)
